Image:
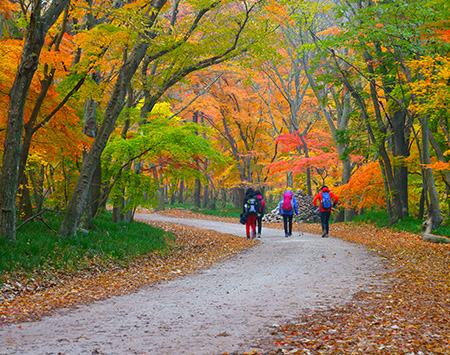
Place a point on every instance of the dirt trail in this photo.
(222, 309)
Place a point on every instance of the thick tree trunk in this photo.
(34, 41)
(434, 210)
(400, 149)
(112, 111)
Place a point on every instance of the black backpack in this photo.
(252, 206)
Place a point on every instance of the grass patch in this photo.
(38, 252)
(410, 224)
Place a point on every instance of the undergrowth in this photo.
(40, 252)
(409, 224)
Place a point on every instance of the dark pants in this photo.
(325, 219)
(259, 223)
(287, 223)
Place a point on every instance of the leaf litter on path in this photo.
(408, 314)
(193, 249)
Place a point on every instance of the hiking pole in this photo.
(300, 232)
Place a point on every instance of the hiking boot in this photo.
(254, 235)
(287, 235)
(324, 235)
(259, 235)
(248, 237)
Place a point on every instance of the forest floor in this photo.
(363, 290)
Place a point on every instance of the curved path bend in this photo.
(223, 309)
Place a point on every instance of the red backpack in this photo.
(287, 204)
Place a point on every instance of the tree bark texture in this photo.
(112, 111)
(434, 210)
(34, 41)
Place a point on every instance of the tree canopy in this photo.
(121, 103)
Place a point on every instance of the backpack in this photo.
(252, 206)
(288, 203)
(326, 201)
(243, 218)
(262, 203)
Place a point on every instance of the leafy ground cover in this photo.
(28, 296)
(409, 314)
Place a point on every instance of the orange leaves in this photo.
(365, 188)
(438, 166)
(333, 30)
(405, 313)
(7, 7)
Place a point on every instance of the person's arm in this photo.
(315, 200)
(336, 199)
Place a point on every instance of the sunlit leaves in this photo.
(365, 188)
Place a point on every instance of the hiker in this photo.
(325, 198)
(287, 208)
(251, 208)
(260, 215)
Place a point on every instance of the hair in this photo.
(258, 192)
(250, 190)
(324, 187)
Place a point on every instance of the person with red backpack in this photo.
(260, 215)
(325, 198)
(287, 208)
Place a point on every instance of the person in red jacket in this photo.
(327, 201)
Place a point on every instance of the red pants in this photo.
(251, 222)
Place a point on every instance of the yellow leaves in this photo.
(431, 90)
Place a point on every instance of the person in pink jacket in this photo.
(260, 216)
(327, 201)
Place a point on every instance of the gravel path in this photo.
(223, 309)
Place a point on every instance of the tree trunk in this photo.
(206, 196)
(34, 41)
(181, 192)
(434, 209)
(112, 111)
(197, 193)
(223, 200)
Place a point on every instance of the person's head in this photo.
(289, 188)
(250, 191)
(325, 188)
(257, 192)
